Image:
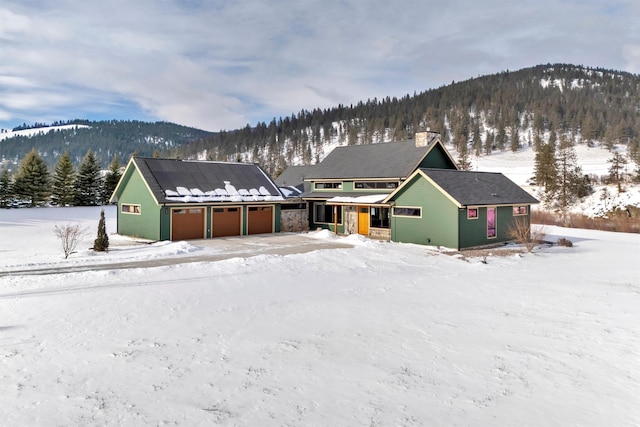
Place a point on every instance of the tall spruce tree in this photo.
(64, 176)
(546, 169)
(101, 244)
(569, 175)
(33, 181)
(88, 185)
(616, 170)
(111, 179)
(6, 190)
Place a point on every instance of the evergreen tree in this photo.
(33, 181)
(545, 170)
(88, 185)
(569, 175)
(616, 170)
(515, 139)
(6, 191)
(63, 193)
(101, 243)
(464, 163)
(111, 179)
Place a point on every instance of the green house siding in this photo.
(437, 158)
(147, 223)
(473, 232)
(438, 225)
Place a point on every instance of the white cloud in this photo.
(222, 64)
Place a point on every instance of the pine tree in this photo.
(111, 179)
(88, 183)
(33, 181)
(616, 170)
(515, 139)
(6, 191)
(101, 243)
(464, 163)
(64, 176)
(569, 175)
(545, 170)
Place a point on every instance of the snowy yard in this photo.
(375, 335)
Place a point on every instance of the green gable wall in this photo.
(437, 158)
(135, 192)
(473, 232)
(439, 222)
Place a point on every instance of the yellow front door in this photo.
(363, 220)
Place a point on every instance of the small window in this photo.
(519, 210)
(131, 209)
(472, 213)
(407, 211)
(293, 206)
(328, 186)
(373, 185)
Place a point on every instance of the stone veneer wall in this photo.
(294, 221)
(350, 219)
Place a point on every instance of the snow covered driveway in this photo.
(374, 334)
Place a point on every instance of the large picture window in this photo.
(379, 217)
(411, 212)
(324, 214)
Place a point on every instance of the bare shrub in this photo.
(565, 242)
(69, 236)
(524, 234)
(624, 222)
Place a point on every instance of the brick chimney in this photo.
(424, 138)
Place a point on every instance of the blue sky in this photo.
(220, 64)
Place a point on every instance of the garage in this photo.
(260, 219)
(225, 221)
(187, 224)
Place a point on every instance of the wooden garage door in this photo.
(260, 219)
(187, 224)
(225, 222)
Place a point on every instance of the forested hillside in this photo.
(503, 111)
(104, 138)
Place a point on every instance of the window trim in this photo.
(386, 187)
(133, 209)
(473, 208)
(418, 208)
(371, 215)
(525, 207)
(495, 222)
(315, 217)
(335, 185)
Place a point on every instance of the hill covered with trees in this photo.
(105, 138)
(491, 113)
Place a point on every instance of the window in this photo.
(375, 185)
(324, 213)
(328, 186)
(491, 223)
(131, 209)
(519, 210)
(407, 211)
(472, 213)
(379, 217)
(293, 206)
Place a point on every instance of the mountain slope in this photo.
(105, 138)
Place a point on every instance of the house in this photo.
(168, 199)
(413, 192)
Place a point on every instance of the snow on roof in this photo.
(371, 198)
(227, 194)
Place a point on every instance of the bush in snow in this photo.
(69, 235)
(522, 233)
(101, 243)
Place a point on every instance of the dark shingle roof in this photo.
(166, 177)
(479, 188)
(384, 160)
(294, 176)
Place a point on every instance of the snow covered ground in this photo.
(377, 334)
